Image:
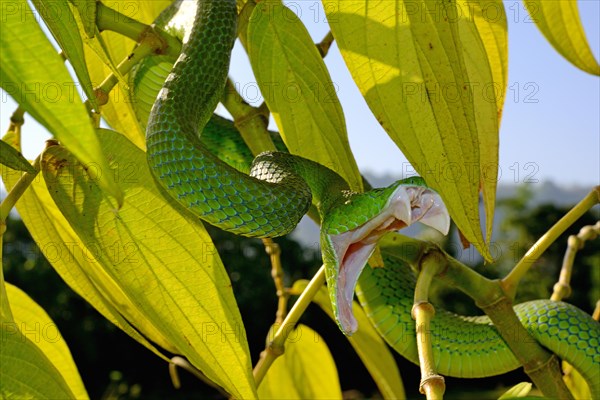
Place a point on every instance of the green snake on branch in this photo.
(278, 191)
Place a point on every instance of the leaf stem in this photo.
(275, 347)
(511, 281)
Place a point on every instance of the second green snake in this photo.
(280, 188)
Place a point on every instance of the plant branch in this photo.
(250, 121)
(562, 288)
(275, 347)
(274, 252)
(432, 384)
(511, 281)
(17, 191)
(143, 50)
(109, 19)
(325, 44)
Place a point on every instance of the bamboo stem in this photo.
(562, 288)
(432, 384)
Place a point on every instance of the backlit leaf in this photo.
(305, 371)
(160, 256)
(36, 325)
(560, 23)
(33, 73)
(298, 89)
(423, 84)
(26, 372)
(13, 159)
(369, 346)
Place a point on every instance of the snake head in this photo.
(350, 233)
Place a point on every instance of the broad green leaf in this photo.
(410, 65)
(110, 48)
(160, 256)
(298, 89)
(560, 23)
(36, 325)
(519, 390)
(60, 20)
(369, 346)
(33, 73)
(74, 260)
(305, 371)
(26, 372)
(87, 12)
(13, 159)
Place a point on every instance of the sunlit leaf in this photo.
(410, 64)
(33, 73)
(13, 159)
(26, 372)
(75, 262)
(60, 20)
(560, 23)
(485, 45)
(36, 325)
(160, 256)
(575, 382)
(369, 346)
(298, 89)
(305, 371)
(519, 390)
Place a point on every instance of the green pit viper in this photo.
(279, 189)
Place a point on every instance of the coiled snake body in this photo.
(270, 201)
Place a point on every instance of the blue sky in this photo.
(550, 128)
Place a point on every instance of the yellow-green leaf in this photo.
(519, 390)
(560, 23)
(74, 260)
(305, 371)
(298, 89)
(369, 346)
(26, 372)
(575, 382)
(13, 159)
(410, 66)
(485, 45)
(160, 256)
(60, 20)
(36, 325)
(33, 73)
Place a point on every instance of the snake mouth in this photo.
(407, 205)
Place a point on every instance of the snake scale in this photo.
(280, 187)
